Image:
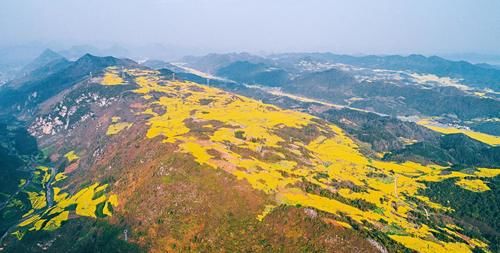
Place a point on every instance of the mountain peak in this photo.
(105, 60)
(87, 56)
(49, 53)
(46, 57)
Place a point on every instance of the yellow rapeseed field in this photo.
(85, 202)
(248, 130)
(71, 156)
(482, 137)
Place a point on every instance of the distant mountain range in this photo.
(481, 76)
(475, 75)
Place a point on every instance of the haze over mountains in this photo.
(239, 152)
(13, 58)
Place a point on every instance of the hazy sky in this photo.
(350, 26)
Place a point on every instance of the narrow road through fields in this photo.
(49, 192)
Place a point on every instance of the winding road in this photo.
(49, 192)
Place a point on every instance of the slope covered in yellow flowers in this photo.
(91, 201)
(301, 160)
(112, 78)
(482, 137)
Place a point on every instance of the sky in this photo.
(267, 26)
